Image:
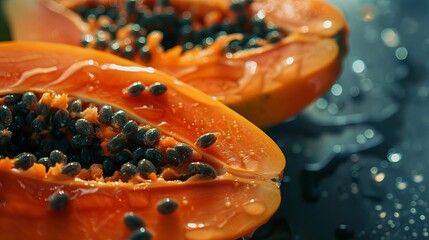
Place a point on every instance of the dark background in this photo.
(357, 159)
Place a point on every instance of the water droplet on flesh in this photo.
(254, 207)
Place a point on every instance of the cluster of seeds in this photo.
(123, 28)
(53, 129)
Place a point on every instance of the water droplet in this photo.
(394, 157)
(422, 217)
(369, 133)
(336, 89)
(333, 108)
(398, 206)
(254, 207)
(401, 185)
(358, 66)
(418, 178)
(195, 225)
(411, 221)
(354, 92)
(378, 207)
(366, 84)
(361, 139)
(336, 148)
(413, 210)
(250, 163)
(289, 60)
(382, 215)
(184, 201)
(227, 202)
(327, 24)
(368, 13)
(321, 103)
(401, 53)
(390, 37)
(236, 184)
(379, 177)
(396, 214)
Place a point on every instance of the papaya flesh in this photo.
(229, 200)
(265, 59)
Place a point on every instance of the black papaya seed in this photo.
(133, 221)
(59, 200)
(167, 206)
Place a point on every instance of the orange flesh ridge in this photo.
(96, 210)
(242, 198)
(311, 23)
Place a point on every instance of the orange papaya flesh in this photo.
(241, 196)
(220, 66)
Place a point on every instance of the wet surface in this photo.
(357, 158)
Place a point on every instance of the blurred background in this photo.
(358, 158)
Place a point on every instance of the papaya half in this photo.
(94, 146)
(266, 59)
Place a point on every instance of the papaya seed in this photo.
(167, 206)
(206, 140)
(133, 221)
(59, 200)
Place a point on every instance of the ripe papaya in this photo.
(94, 146)
(266, 59)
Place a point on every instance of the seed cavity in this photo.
(109, 147)
(124, 29)
(167, 206)
(58, 200)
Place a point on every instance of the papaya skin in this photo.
(242, 198)
(266, 94)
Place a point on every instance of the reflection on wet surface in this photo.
(357, 158)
